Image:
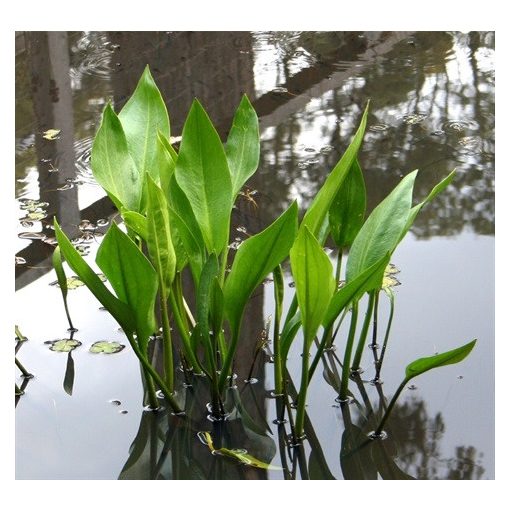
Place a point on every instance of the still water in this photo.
(431, 107)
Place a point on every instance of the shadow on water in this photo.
(432, 108)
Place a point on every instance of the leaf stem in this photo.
(386, 337)
(348, 352)
(390, 406)
(168, 355)
(364, 331)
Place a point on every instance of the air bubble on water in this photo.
(123, 411)
(381, 436)
(412, 387)
(309, 149)
(20, 261)
(115, 402)
(379, 127)
(280, 422)
(65, 187)
(460, 377)
(149, 409)
(326, 148)
(26, 223)
(102, 222)
(32, 235)
(348, 400)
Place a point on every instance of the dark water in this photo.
(432, 108)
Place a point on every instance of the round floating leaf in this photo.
(106, 347)
(64, 345)
(51, 134)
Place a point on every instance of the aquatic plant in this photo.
(176, 206)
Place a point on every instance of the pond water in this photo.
(432, 108)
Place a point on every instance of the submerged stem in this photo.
(379, 363)
(390, 406)
(167, 345)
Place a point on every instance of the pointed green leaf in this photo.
(315, 284)
(255, 259)
(112, 164)
(132, 277)
(439, 360)
(243, 145)
(136, 222)
(367, 280)
(318, 210)
(119, 310)
(166, 158)
(382, 230)
(438, 188)
(159, 237)
(203, 175)
(347, 211)
(142, 117)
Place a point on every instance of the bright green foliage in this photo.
(423, 365)
(159, 237)
(202, 173)
(243, 145)
(64, 345)
(105, 347)
(315, 283)
(165, 162)
(382, 230)
(142, 117)
(112, 164)
(132, 277)
(316, 214)
(255, 259)
(347, 212)
(137, 223)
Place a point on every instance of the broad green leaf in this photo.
(318, 210)
(439, 360)
(288, 334)
(69, 375)
(315, 284)
(64, 345)
(382, 230)
(159, 236)
(142, 117)
(243, 145)
(438, 188)
(216, 307)
(255, 259)
(347, 212)
(367, 280)
(203, 175)
(132, 277)
(136, 222)
(166, 158)
(112, 165)
(209, 273)
(106, 347)
(184, 222)
(119, 310)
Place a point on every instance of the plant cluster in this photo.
(176, 207)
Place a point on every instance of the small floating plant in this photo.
(176, 207)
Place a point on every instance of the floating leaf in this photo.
(237, 454)
(51, 134)
(106, 347)
(64, 345)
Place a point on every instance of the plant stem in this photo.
(326, 337)
(168, 355)
(277, 357)
(386, 337)
(229, 358)
(23, 370)
(190, 355)
(364, 331)
(152, 371)
(301, 408)
(339, 266)
(348, 352)
(376, 317)
(390, 406)
(17, 390)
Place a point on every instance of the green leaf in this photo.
(202, 173)
(353, 290)
(315, 284)
(136, 222)
(51, 134)
(64, 345)
(255, 259)
(209, 273)
(318, 210)
(382, 230)
(347, 211)
(112, 164)
(243, 145)
(119, 310)
(241, 456)
(438, 188)
(142, 117)
(132, 277)
(159, 237)
(106, 347)
(439, 360)
(166, 158)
